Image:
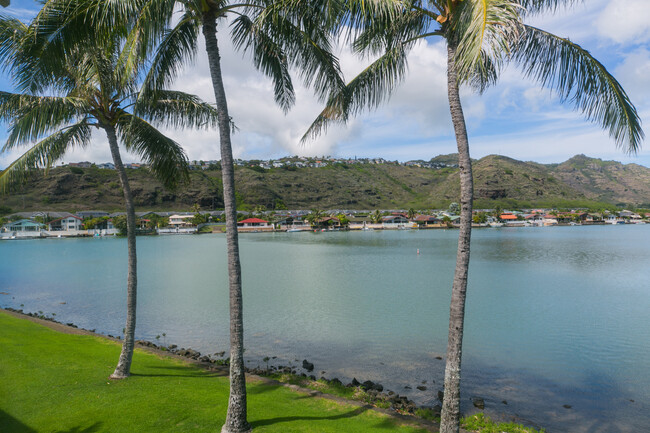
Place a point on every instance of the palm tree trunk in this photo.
(450, 416)
(236, 418)
(123, 368)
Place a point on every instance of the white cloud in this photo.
(634, 75)
(625, 21)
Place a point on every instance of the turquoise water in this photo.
(555, 316)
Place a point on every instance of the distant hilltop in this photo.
(357, 183)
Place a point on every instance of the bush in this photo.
(483, 424)
(76, 170)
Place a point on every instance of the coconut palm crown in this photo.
(481, 37)
(61, 98)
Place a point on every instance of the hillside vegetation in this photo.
(499, 181)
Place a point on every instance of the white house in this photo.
(68, 223)
(176, 221)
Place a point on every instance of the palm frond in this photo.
(579, 78)
(177, 110)
(484, 75)
(366, 91)
(484, 28)
(384, 32)
(149, 27)
(177, 47)
(166, 158)
(12, 33)
(45, 153)
(31, 117)
(268, 57)
(537, 6)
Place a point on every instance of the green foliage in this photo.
(119, 222)
(482, 424)
(200, 219)
(76, 170)
(343, 220)
(480, 218)
(279, 204)
(5, 210)
(163, 394)
(427, 414)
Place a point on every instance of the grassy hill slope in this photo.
(498, 180)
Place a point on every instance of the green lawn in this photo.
(55, 382)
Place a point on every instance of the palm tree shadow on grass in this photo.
(93, 428)
(351, 414)
(169, 371)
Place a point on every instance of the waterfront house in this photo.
(254, 225)
(179, 221)
(395, 222)
(24, 225)
(535, 219)
(549, 220)
(508, 217)
(67, 223)
(428, 221)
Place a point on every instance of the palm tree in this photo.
(412, 214)
(375, 217)
(314, 217)
(279, 34)
(90, 87)
(481, 35)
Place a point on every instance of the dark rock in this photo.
(441, 395)
(478, 403)
(438, 357)
(407, 387)
(312, 377)
(172, 346)
(336, 381)
(307, 365)
(355, 382)
(391, 393)
(370, 385)
(504, 402)
(421, 387)
(567, 406)
(204, 359)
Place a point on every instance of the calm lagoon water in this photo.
(555, 316)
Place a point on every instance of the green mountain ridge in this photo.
(498, 181)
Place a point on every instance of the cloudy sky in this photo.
(515, 118)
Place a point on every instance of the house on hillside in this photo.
(91, 214)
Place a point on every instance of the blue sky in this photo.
(514, 118)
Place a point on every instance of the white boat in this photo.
(494, 224)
